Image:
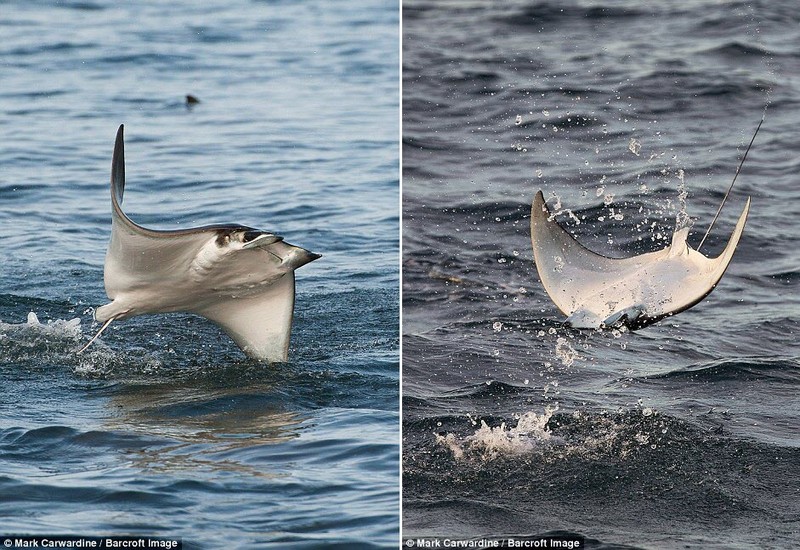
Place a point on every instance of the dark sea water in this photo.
(685, 434)
(163, 427)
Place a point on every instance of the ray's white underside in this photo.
(594, 291)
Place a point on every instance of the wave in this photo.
(637, 440)
(546, 13)
(48, 443)
(743, 369)
(688, 84)
(740, 50)
(51, 49)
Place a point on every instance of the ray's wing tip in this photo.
(746, 209)
(538, 206)
(118, 146)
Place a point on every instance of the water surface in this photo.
(163, 427)
(684, 434)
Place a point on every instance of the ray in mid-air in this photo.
(595, 291)
(240, 278)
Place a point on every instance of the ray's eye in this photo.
(223, 239)
(250, 235)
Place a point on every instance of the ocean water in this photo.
(163, 427)
(685, 434)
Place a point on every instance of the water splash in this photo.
(489, 443)
(591, 435)
(56, 341)
(34, 332)
(682, 219)
(565, 352)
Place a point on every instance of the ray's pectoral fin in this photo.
(260, 324)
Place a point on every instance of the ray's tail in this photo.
(736, 175)
(99, 332)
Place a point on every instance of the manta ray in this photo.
(595, 291)
(238, 277)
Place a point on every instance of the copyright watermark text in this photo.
(568, 542)
(15, 542)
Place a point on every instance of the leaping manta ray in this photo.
(240, 278)
(595, 291)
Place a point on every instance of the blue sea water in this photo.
(685, 434)
(163, 427)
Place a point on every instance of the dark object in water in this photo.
(191, 100)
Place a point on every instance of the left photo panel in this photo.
(199, 285)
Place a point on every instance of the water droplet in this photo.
(497, 326)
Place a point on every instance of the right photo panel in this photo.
(601, 276)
